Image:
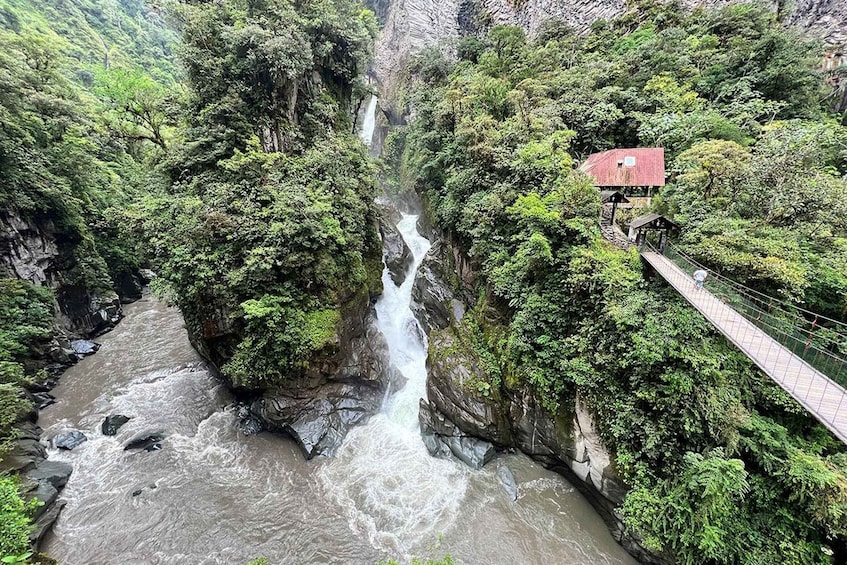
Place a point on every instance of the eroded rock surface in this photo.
(396, 254)
(432, 295)
(344, 390)
(443, 439)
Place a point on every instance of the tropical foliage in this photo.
(265, 229)
(723, 466)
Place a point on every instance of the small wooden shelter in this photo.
(639, 227)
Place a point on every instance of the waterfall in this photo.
(213, 496)
(369, 121)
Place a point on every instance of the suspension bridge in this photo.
(798, 349)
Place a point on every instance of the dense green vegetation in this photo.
(71, 158)
(73, 149)
(723, 466)
(25, 320)
(266, 229)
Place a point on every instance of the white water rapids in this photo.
(212, 495)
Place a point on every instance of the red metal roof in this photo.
(627, 167)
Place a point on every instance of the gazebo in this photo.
(639, 227)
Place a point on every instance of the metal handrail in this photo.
(838, 340)
(813, 376)
(820, 350)
(749, 290)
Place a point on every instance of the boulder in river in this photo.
(54, 472)
(147, 276)
(432, 295)
(83, 347)
(69, 440)
(148, 441)
(508, 482)
(249, 424)
(43, 400)
(113, 423)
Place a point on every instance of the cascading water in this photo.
(212, 495)
(366, 134)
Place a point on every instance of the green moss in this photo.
(320, 327)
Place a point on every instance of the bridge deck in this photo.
(818, 394)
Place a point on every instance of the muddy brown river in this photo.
(213, 495)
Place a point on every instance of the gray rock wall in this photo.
(465, 414)
(338, 391)
(31, 251)
(412, 25)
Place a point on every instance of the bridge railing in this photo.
(818, 340)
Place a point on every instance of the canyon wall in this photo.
(412, 25)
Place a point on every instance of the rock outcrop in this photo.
(443, 439)
(40, 478)
(396, 254)
(31, 250)
(337, 392)
(467, 415)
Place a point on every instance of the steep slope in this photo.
(412, 25)
(566, 347)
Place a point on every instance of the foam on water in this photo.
(214, 496)
(383, 476)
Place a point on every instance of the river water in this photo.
(213, 495)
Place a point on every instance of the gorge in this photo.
(422, 312)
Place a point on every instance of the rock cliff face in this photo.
(342, 387)
(339, 391)
(32, 250)
(411, 25)
(467, 416)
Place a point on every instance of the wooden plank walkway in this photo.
(817, 393)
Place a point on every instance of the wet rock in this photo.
(454, 373)
(45, 522)
(54, 472)
(43, 386)
(443, 438)
(83, 347)
(43, 400)
(147, 276)
(113, 423)
(318, 425)
(24, 455)
(69, 440)
(148, 441)
(249, 424)
(128, 286)
(29, 430)
(45, 493)
(29, 448)
(508, 482)
(396, 254)
(432, 296)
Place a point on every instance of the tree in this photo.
(135, 106)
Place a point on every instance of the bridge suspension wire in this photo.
(807, 365)
(817, 339)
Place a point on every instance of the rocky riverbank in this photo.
(468, 416)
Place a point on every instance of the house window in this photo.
(629, 161)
